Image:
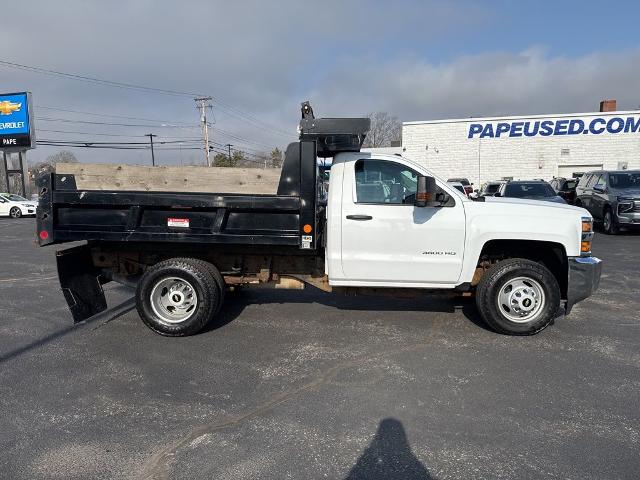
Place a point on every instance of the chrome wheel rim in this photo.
(173, 300)
(607, 220)
(521, 300)
(15, 212)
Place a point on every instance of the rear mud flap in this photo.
(81, 282)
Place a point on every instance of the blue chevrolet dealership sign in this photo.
(15, 121)
(547, 128)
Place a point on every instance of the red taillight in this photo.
(43, 235)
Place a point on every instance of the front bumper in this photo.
(629, 218)
(584, 278)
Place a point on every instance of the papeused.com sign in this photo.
(549, 128)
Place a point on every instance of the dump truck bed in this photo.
(69, 211)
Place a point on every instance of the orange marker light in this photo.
(307, 228)
(585, 247)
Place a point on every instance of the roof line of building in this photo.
(517, 117)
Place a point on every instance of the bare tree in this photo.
(275, 158)
(385, 129)
(63, 156)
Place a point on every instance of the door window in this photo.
(592, 179)
(584, 180)
(600, 182)
(386, 182)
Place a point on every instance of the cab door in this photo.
(598, 196)
(588, 201)
(386, 239)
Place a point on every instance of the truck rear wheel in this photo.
(518, 297)
(179, 296)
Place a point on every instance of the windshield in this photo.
(15, 198)
(463, 181)
(528, 190)
(492, 188)
(625, 180)
(570, 184)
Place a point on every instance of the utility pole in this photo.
(203, 104)
(229, 145)
(153, 158)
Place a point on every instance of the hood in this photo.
(625, 192)
(546, 202)
(554, 199)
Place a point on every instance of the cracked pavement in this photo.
(307, 385)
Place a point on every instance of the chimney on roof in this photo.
(608, 106)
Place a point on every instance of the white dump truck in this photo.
(388, 226)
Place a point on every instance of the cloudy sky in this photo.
(259, 59)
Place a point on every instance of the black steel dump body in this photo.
(67, 214)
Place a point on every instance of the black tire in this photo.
(200, 282)
(609, 223)
(500, 276)
(15, 212)
(222, 286)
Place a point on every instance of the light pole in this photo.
(153, 158)
(229, 145)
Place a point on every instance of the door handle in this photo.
(359, 217)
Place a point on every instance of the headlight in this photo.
(587, 236)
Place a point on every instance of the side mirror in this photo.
(598, 189)
(426, 192)
(497, 194)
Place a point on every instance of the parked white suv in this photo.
(16, 206)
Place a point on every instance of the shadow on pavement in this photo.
(235, 303)
(389, 457)
(106, 316)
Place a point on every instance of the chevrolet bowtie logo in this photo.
(7, 107)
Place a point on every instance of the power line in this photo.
(94, 80)
(108, 115)
(112, 147)
(108, 134)
(166, 140)
(247, 117)
(88, 122)
(85, 142)
(253, 120)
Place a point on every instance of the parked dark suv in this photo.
(612, 197)
(530, 189)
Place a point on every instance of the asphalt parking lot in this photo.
(306, 385)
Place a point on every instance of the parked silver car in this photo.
(612, 197)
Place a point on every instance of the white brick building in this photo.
(525, 147)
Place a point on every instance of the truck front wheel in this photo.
(179, 296)
(518, 297)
